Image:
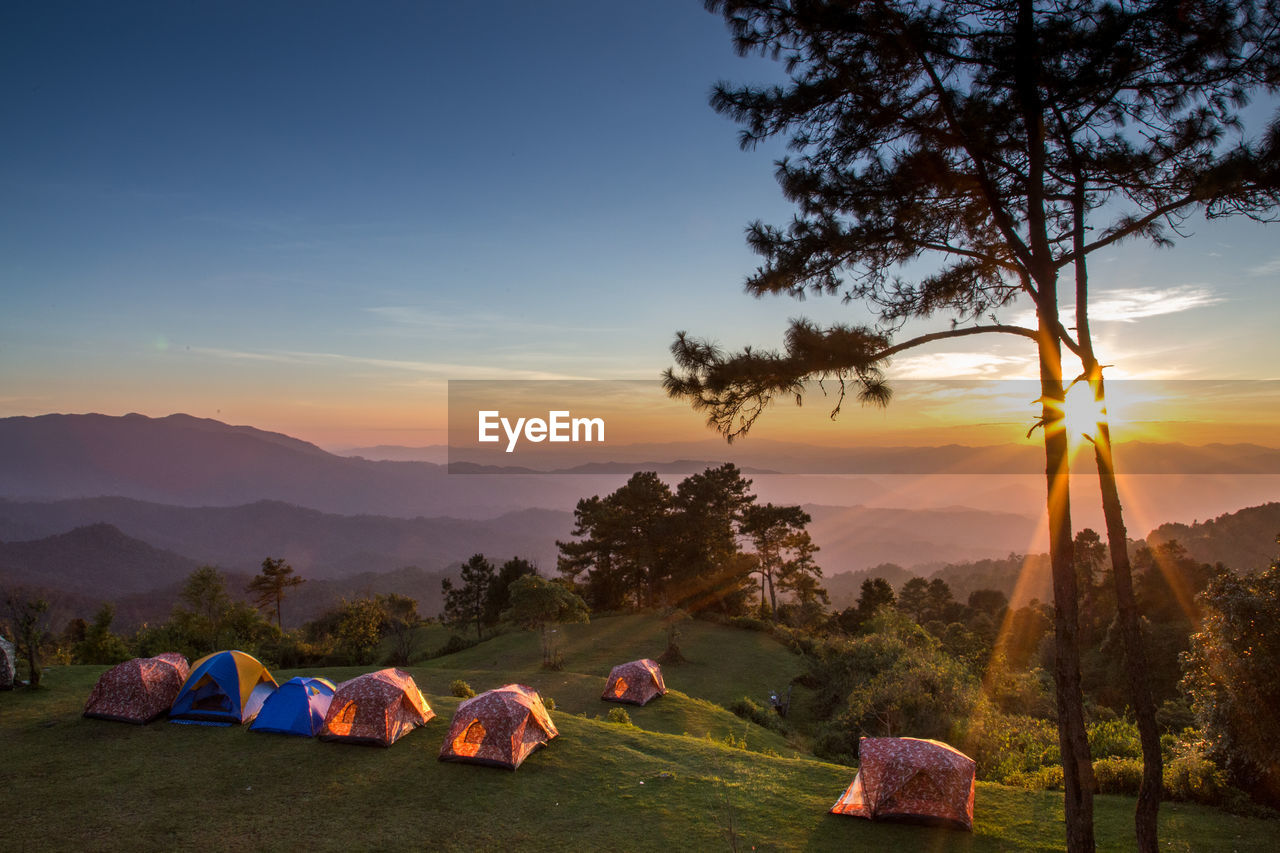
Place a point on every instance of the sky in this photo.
(308, 217)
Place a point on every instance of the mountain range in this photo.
(123, 508)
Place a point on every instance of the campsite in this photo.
(669, 780)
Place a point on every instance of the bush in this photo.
(1115, 739)
(1191, 777)
(749, 623)
(455, 643)
(461, 689)
(548, 703)
(1007, 746)
(746, 709)
(619, 716)
(1118, 775)
(1040, 779)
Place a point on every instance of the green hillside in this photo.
(72, 783)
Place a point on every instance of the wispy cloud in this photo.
(1270, 267)
(431, 369)
(1128, 305)
(1132, 304)
(958, 365)
(417, 317)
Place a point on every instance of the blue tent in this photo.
(297, 708)
(224, 687)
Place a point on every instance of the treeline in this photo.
(207, 618)
(705, 547)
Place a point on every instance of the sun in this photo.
(1081, 415)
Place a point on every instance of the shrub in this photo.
(461, 689)
(548, 703)
(1192, 777)
(1040, 779)
(455, 643)
(619, 716)
(746, 709)
(1118, 775)
(1115, 739)
(1004, 745)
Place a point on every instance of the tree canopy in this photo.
(994, 145)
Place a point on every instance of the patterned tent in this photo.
(903, 778)
(499, 728)
(8, 664)
(224, 687)
(138, 690)
(636, 682)
(297, 708)
(376, 708)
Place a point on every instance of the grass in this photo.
(72, 783)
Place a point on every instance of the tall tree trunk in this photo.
(1073, 742)
(1077, 769)
(1135, 654)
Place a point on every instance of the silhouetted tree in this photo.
(99, 645)
(498, 598)
(988, 136)
(623, 553)
(783, 551)
(400, 624)
(992, 602)
(876, 593)
(709, 569)
(643, 546)
(1090, 556)
(28, 616)
(207, 619)
(466, 603)
(268, 586)
(913, 599)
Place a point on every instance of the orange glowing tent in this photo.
(499, 728)
(912, 780)
(375, 708)
(635, 683)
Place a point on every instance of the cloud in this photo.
(958, 365)
(1128, 305)
(1271, 267)
(411, 317)
(1131, 304)
(433, 369)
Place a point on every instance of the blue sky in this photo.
(309, 216)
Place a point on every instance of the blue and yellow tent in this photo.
(224, 687)
(297, 708)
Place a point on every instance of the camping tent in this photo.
(635, 683)
(297, 708)
(499, 728)
(377, 708)
(8, 664)
(902, 778)
(138, 690)
(224, 687)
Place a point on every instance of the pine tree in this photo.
(989, 137)
(269, 585)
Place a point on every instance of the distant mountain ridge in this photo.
(97, 557)
(1244, 540)
(317, 544)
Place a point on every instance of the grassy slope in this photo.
(72, 783)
